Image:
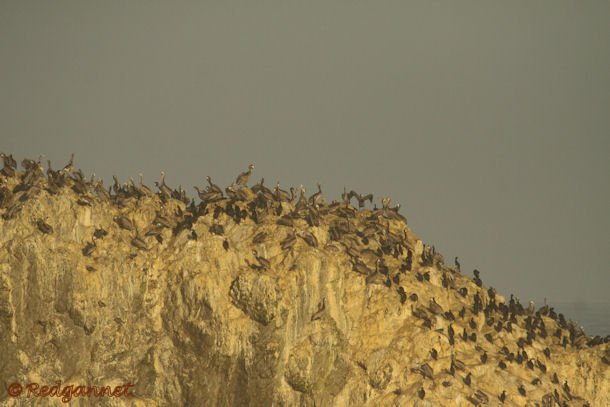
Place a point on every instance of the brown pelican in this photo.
(9, 165)
(89, 248)
(289, 240)
(259, 237)
(44, 227)
(321, 308)
(143, 188)
(263, 262)
(242, 179)
(139, 243)
(309, 238)
(302, 202)
(316, 198)
(124, 223)
(213, 187)
(165, 191)
(281, 195)
(434, 307)
(68, 167)
(361, 198)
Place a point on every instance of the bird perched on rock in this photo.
(242, 179)
(44, 227)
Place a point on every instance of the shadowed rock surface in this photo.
(195, 305)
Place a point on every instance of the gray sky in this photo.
(488, 121)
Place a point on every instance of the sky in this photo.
(488, 121)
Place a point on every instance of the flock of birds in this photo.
(375, 240)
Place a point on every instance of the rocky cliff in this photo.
(256, 296)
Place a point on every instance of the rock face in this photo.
(265, 301)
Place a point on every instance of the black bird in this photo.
(472, 324)
(225, 244)
(402, 294)
(502, 365)
(484, 357)
(434, 354)
(467, 379)
(502, 396)
(457, 264)
(522, 390)
(421, 393)
(477, 278)
(99, 233)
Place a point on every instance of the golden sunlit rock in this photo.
(195, 305)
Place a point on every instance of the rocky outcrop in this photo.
(336, 307)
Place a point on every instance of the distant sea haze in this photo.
(593, 317)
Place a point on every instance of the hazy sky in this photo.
(488, 121)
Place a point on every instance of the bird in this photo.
(310, 238)
(457, 263)
(124, 223)
(481, 397)
(321, 307)
(259, 237)
(213, 187)
(402, 294)
(44, 227)
(89, 248)
(143, 188)
(242, 179)
(316, 198)
(99, 233)
(360, 198)
(421, 393)
(165, 191)
(477, 278)
(502, 396)
(426, 371)
(139, 243)
(434, 307)
(264, 263)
